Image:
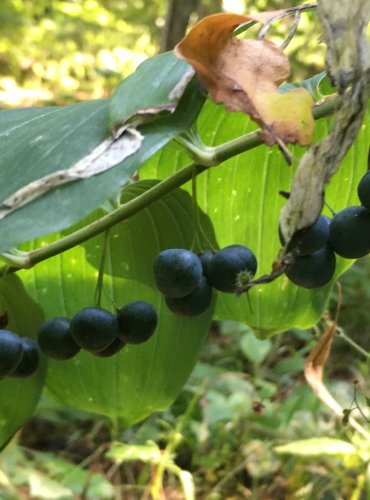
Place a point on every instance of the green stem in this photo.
(196, 245)
(333, 212)
(99, 283)
(122, 213)
(209, 157)
(176, 438)
(352, 343)
(358, 407)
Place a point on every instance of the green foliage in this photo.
(48, 476)
(242, 198)
(19, 397)
(141, 92)
(34, 142)
(317, 447)
(63, 51)
(222, 435)
(69, 279)
(244, 414)
(253, 348)
(65, 284)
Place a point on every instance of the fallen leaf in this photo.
(244, 75)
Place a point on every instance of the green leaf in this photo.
(74, 478)
(241, 196)
(316, 447)
(41, 486)
(318, 86)
(38, 143)
(293, 364)
(154, 89)
(144, 378)
(149, 453)
(19, 397)
(253, 348)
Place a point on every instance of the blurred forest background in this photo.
(246, 397)
(62, 51)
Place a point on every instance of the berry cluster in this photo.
(350, 228)
(347, 234)
(19, 356)
(98, 331)
(186, 279)
(314, 262)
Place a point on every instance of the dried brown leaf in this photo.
(244, 76)
(313, 371)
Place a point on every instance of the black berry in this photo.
(11, 351)
(231, 267)
(349, 233)
(29, 361)
(94, 329)
(177, 272)
(197, 302)
(313, 271)
(311, 239)
(205, 259)
(137, 322)
(363, 190)
(55, 339)
(113, 348)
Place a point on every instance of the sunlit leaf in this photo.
(318, 86)
(121, 452)
(187, 483)
(42, 486)
(316, 447)
(36, 143)
(253, 348)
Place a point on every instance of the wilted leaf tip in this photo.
(244, 76)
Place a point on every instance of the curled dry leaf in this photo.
(314, 370)
(244, 76)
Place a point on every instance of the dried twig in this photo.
(296, 10)
(293, 31)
